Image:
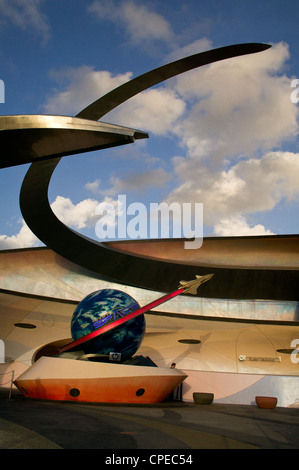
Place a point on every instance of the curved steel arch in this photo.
(137, 270)
(119, 95)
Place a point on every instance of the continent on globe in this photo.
(101, 308)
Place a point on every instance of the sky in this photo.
(224, 135)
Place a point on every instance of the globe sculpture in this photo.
(101, 308)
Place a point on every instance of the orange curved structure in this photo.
(84, 381)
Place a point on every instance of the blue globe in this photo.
(104, 307)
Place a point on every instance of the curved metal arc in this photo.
(122, 267)
(119, 95)
(87, 253)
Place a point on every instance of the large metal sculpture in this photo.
(43, 140)
(115, 333)
(119, 265)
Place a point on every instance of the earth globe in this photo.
(103, 307)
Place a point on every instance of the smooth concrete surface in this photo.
(175, 426)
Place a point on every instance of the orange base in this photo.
(80, 381)
(133, 390)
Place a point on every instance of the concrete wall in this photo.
(242, 389)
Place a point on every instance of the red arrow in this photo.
(186, 286)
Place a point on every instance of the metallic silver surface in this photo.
(263, 252)
(28, 138)
(39, 272)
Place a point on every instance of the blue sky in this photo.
(224, 135)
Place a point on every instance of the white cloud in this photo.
(199, 45)
(137, 182)
(248, 187)
(79, 216)
(79, 87)
(139, 21)
(93, 186)
(23, 239)
(227, 118)
(238, 226)
(240, 110)
(239, 106)
(26, 14)
(268, 180)
(156, 111)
